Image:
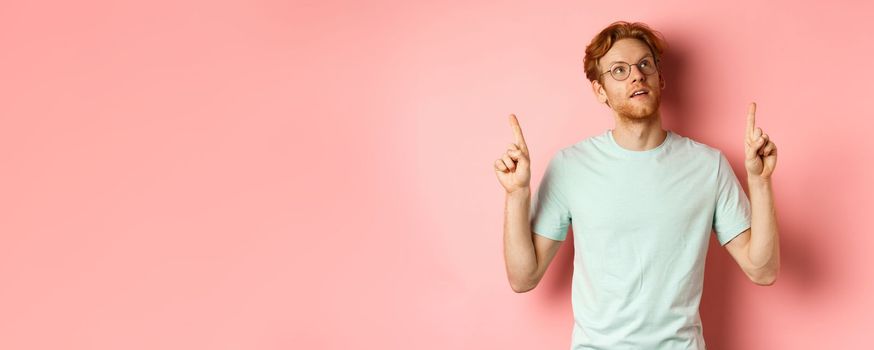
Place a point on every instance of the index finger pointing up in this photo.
(517, 130)
(751, 120)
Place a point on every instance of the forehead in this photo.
(625, 50)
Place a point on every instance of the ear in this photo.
(598, 89)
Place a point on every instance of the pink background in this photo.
(318, 175)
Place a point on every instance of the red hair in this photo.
(602, 43)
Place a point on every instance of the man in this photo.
(642, 201)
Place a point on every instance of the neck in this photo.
(639, 134)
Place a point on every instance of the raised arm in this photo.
(757, 250)
(526, 255)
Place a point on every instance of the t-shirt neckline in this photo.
(647, 153)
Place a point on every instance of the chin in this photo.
(638, 111)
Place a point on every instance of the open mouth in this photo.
(640, 94)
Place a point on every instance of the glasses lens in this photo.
(646, 66)
(620, 71)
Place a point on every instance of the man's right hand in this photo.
(513, 168)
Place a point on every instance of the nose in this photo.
(638, 76)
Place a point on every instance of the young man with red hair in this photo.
(642, 201)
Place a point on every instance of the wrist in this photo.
(753, 180)
(522, 192)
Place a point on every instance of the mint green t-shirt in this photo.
(641, 224)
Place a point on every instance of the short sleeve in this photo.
(732, 215)
(550, 216)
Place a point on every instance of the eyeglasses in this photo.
(621, 70)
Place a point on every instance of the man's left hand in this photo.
(761, 153)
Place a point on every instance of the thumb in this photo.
(517, 156)
(753, 150)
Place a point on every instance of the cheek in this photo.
(612, 92)
(617, 95)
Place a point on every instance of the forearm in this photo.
(519, 254)
(764, 245)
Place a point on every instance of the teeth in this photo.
(638, 93)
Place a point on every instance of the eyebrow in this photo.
(641, 59)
